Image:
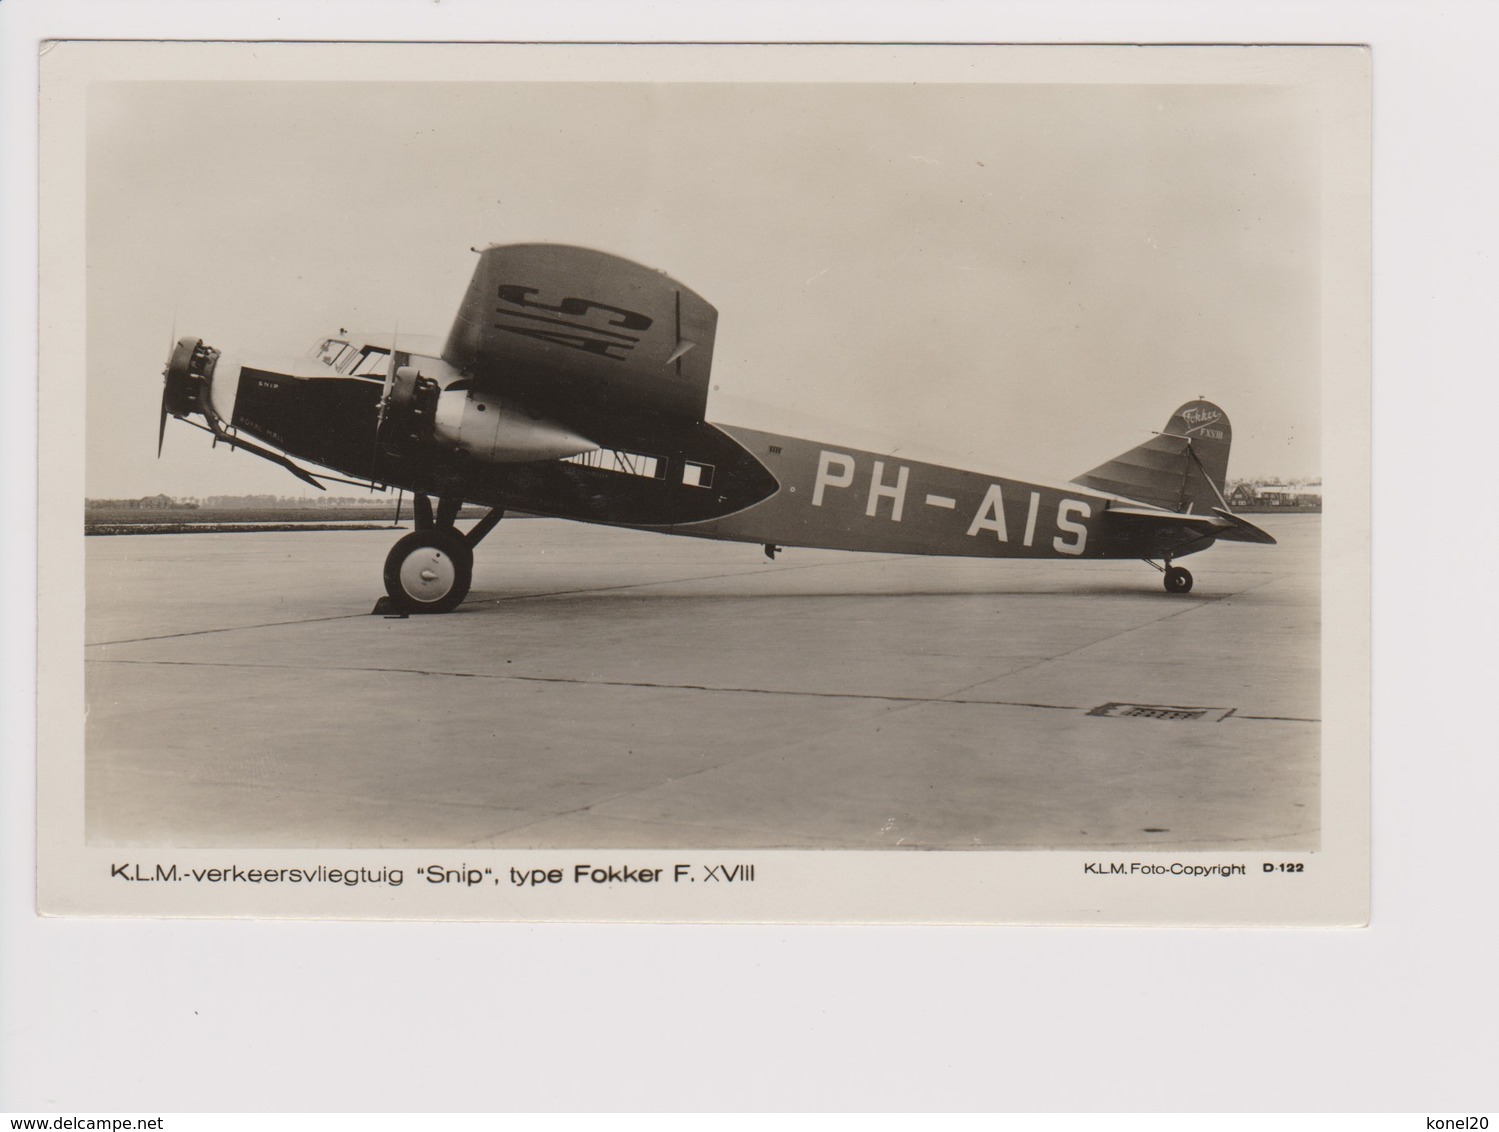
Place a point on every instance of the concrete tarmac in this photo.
(609, 688)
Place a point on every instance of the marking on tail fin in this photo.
(1198, 419)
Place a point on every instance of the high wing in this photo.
(584, 337)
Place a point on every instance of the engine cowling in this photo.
(188, 373)
(485, 428)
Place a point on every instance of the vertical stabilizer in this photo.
(1180, 468)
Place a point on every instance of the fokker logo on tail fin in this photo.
(1198, 419)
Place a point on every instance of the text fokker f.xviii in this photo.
(575, 384)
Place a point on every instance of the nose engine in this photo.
(187, 377)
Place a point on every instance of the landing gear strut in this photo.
(1177, 579)
(430, 569)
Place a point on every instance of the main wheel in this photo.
(429, 571)
(1178, 581)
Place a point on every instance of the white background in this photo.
(137, 1016)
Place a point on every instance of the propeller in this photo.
(184, 382)
(166, 380)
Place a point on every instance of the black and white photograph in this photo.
(865, 558)
(618, 483)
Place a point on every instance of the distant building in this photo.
(1249, 495)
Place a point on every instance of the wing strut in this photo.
(1192, 452)
(219, 432)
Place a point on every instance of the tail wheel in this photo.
(429, 571)
(1178, 581)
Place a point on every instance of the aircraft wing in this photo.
(584, 337)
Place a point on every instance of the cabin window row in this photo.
(694, 473)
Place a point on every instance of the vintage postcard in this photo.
(705, 483)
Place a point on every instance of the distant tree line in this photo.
(231, 502)
(144, 503)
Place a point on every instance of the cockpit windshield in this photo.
(352, 359)
(334, 350)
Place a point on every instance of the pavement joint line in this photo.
(1201, 603)
(225, 629)
(479, 601)
(643, 684)
(575, 681)
(780, 569)
(745, 573)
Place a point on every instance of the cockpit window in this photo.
(333, 350)
(373, 361)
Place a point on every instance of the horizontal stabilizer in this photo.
(1157, 534)
(1147, 517)
(1242, 531)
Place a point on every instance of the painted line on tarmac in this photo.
(642, 684)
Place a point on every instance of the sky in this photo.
(1013, 278)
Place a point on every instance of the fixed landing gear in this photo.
(430, 569)
(1176, 579)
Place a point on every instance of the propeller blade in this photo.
(161, 428)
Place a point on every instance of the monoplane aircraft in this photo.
(574, 384)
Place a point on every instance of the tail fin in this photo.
(1180, 468)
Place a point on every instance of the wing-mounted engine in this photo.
(408, 414)
(431, 412)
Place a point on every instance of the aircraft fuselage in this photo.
(703, 480)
